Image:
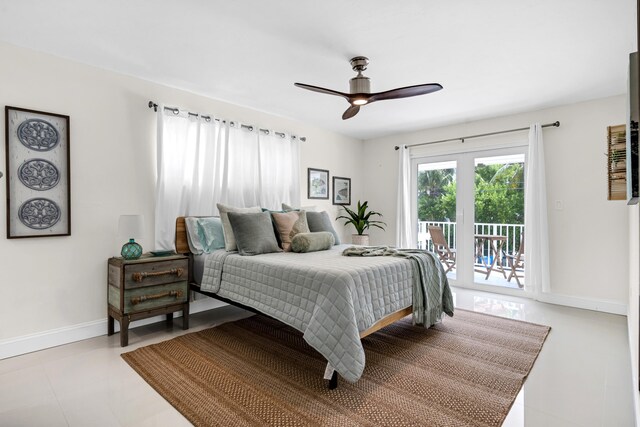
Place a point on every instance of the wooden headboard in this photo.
(182, 246)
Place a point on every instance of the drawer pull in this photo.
(139, 277)
(143, 298)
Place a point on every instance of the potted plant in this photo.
(361, 220)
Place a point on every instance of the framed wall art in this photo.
(341, 191)
(317, 183)
(38, 174)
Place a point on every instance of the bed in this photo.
(333, 299)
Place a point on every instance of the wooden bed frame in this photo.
(182, 247)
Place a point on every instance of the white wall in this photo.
(60, 282)
(588, 237)
(634, 300)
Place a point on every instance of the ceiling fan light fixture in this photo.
(360, 89)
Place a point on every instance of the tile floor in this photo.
(581, 378)
(495, 279)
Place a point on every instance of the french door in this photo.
(476, 200)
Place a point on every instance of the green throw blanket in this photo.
(431, 292)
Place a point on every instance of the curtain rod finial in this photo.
(153, 105)
(397, 148)
(557, 123)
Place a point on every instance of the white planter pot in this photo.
(360, 239)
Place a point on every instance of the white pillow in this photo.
(286, 207)
(229, 238)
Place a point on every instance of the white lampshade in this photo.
(131, 226)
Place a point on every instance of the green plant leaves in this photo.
(360, 218)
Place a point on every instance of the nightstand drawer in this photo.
(156, 273)
(150, 297)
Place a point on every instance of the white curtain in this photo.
(202, 161)
(405, 230)
(536, 225)
(279, 170)
(241, 175)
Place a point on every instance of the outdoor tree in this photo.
(437, 195)
(499, 194)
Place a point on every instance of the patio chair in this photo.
(447, 255)
(516, 263)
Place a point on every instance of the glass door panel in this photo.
(436, 204)
(499, 220)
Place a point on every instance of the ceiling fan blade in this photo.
(350, 112)
(405, 92)
(322, 90)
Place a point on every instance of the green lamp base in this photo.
(131, 250)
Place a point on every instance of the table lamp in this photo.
(131, 226)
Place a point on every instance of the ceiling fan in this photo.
(360, 89)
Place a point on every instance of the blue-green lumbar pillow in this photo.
(211, 234)
(193, 239)
(312, 242)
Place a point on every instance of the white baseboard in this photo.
(52, 338)
(612, 307)
(606, 306)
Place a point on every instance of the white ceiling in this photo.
(493, 57)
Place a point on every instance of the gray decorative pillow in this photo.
(312, 242)
(253, 233)
(229, 238)
(320, 221)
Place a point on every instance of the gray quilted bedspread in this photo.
(327, 296)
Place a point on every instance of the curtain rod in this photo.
(176, 110)
(462, 138)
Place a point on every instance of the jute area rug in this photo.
(465, 371)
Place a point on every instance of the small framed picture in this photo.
(38, 174)
(341, 191)
(317, 183)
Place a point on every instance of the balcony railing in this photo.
(511, 231)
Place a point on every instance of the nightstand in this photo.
(146, 287)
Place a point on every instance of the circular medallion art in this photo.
(39, 213)
(38, 174)
(38, 134)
